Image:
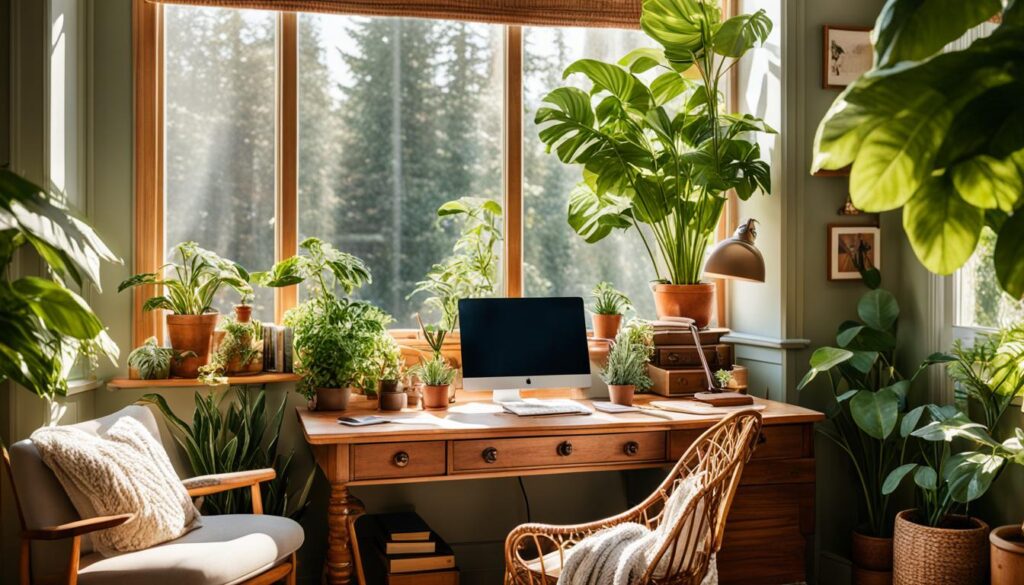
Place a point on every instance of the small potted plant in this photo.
(149, 361)
(237, 351)
(388, 373)
(435, 373)
(626, 370)
(609, 307)
(189, 289)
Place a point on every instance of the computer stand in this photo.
(500, 396)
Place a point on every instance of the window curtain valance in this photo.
(589, 13)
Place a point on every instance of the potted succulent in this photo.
(189, 289)
(865, 402)
(335, 337)
(660, 158)
(625, 373)
(435, 373)
(149, 361)
(609, 307)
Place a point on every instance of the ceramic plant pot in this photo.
(191, 333)
(956, 554)
(606, 326)
(872, 559)
(243, 313)
(393, 401)
(332, 398)
(685, 300)
(435, 396)
(1006, 547)
(621, 394)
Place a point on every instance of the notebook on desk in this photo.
(535, 407)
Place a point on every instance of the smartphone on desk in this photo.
(362, 421)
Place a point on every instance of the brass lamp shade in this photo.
(737, 257)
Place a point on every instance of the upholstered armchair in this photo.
(536, 553)
(228, 549)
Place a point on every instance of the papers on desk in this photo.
(699, 408)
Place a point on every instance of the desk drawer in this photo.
(526, 452)
(777, 442)
(389, 460)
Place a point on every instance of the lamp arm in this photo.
(703, 360)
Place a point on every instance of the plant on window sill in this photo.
(239, 352)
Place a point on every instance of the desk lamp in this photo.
(734, 258)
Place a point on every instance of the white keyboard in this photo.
(535, 407)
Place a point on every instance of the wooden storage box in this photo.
(685, 356)
(689, 381)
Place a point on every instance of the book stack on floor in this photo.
(400, 549)
(675, 367)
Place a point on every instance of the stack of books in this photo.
(277, 348)
(400, 549)
(675, 367)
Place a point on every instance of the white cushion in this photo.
(226, 549)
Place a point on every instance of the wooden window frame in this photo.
(148, 64)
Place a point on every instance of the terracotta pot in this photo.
(435, 396)
(685, 300)
(243, 313)
(235, 368)
(1006, 545)
(606, 326)
(621, 394)
(332, 398)
(191, 333)
(392, 401)
(953, 555)
(872, 559)
(133, 374)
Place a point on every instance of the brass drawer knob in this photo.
(490, 455)
(401, 459)
(565, 448)
(631, 448)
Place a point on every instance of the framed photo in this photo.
(846, 243)
(847, 55)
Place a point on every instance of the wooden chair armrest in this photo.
(221, 482)
(76, 528)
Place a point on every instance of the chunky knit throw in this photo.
(620, 554)
(124, 472)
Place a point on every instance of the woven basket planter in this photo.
(923, 555)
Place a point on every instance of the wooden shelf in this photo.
(268, 378)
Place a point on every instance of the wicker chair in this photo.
(535, 553)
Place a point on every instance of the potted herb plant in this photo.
(388, 372)
(335, 337)
(149, 361)
(237, 351)
(189, 289)
(625, 373)
(609, 307)
(866, 401)
(660, 158)
(435, 373)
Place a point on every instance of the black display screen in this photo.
(523, 337)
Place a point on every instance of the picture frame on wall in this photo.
(845, 242)
(846, 55)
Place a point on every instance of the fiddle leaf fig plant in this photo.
(939, 133)
(659, 157)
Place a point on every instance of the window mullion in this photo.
(513, 162)
(287, 155)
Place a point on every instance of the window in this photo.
(980, 302)
(257, 129)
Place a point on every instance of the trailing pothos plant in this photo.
(189, 287)
(867, 399)
(939, 133)
(45, 324)
(660, 157)
(238, 437)
(471, 271)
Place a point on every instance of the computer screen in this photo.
(524, 343)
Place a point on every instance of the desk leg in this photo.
(341, 567)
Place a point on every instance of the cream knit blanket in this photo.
(620, 554)
(125, 472)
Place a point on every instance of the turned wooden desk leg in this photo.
(342, 564)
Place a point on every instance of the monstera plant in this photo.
(660, 157)
(940, 134)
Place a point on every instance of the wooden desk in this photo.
(768, 529)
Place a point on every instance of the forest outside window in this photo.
(376, 121)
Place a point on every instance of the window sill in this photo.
(83, 385)
(268, 378)
(747, 339)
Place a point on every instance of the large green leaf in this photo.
(912, 30)
(878, 309)
(1008, 256)
(625, 86)
(876, 413)
(568, 127)
(942, 228)
(677, 26)
(895, 477)
(970, 474)
(60, 309)
(594, 217)
(988, 182)
(822, 360)
(741, 33)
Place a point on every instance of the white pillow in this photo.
(686, 489)
(125, 471)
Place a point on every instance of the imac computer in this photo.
(509, 344)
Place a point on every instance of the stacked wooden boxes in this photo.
(676, 369)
